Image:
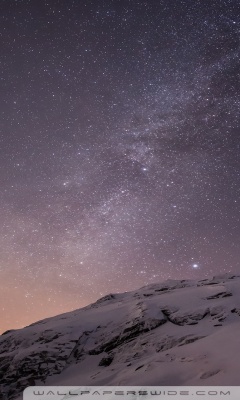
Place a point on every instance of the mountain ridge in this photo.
(168, 333)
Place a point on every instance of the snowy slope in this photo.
(172, 333)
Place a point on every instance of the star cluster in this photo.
(119, 148)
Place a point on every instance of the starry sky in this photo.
(120, 148)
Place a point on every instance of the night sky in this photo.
(119, 151)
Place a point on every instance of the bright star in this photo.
(195, 265)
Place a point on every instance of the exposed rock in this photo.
(156, 325)
(106, 361)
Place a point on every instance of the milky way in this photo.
(119, 149)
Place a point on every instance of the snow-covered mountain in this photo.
(173, 333)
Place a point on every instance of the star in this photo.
(195, 266)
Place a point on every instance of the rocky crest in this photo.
(167, 333)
